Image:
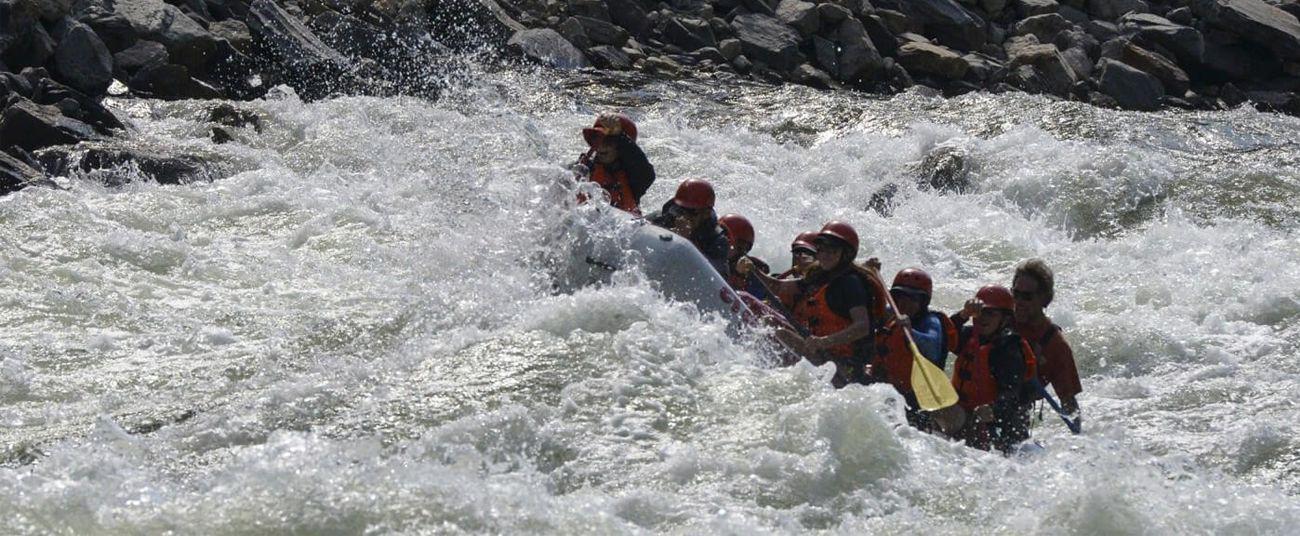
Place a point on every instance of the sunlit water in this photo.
(354, 330)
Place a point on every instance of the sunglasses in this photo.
(1024, 295)
(803, 252)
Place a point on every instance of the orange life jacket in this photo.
(895, 356)
(815, 313)
(618, 187)
(972, 376)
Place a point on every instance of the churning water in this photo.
(354, 328)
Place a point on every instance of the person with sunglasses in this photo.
(1033, 286)
(616, 162)
(690, 214)
(993, 367)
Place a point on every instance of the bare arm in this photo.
(860, 328)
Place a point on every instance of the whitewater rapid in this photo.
(355, 329)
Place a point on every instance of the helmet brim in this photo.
(594, 136)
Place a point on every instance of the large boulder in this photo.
(1110, 10)
(1129, 87)
(115, 165)
(858, 58)
(1029, 8)
(1222, 62)
(48, 10)
(630, 15)
(768, 40)
(312, 68)
(83, 61)
(800, 15)
(32, 126)
(1052, 71)
(1254, 21)
(1184, 42)
(1173, 78)
(16, 174)
(23, 41)
(933, 61)
(548, 47)
(1044, 27)
(170, 81)
(234, 32)
(603, 32)
(690, 34)
(188, 43)
(114, 29)
(948, 22)
(608, 57)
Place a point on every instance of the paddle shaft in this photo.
(780, 307)
(1074, 426)
(907, 332)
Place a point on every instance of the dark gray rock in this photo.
(1052, 73)
(87, 110)
(880, 35)
(935, 61)
(1079, 61)
(24, 42)
(981, 67)
(800, 15)
(548, 47)
(16, 174)
(1174, 80)
(811, 76)
(234, 32)
(730, 48)
(710, 54)
(1129, 87)
(833, 14)
(170, 81)
(630, 15)
(859, 61)
(1102, 30)
(595, 9)
(1254, 21)
(766, 39)
(948, 22)
(114, 29)
(1044, 27)
(603, 32)
(1110, 10)
(48, 10)
(1074, 15)
(1029, 8)
(608, 57)
(32, 126)
(83, 61)
(762, 7)
(1185, 42)
(115, 166)
(187, 42)
(1182, 15)
(312, 68)
(1223, 62)
(573, 32)
(690, 34)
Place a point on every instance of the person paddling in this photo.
(1034, 287)
(690, 214)
(934, 333)
(992, 368)
(834, 304)
(616, 162)
(740, 238)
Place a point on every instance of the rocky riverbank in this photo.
(60, 58)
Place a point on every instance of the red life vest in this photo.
(895, 356)
(618, 187)
(815, 313)
(972, 376)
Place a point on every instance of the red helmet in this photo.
(842, 231)
(914, 278)
(804, 241)
(694, 194)
(996, 297)
(738, 228)
(597, 132)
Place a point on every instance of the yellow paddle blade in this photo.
(930, 383)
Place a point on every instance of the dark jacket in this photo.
(709, 238)
(632, 160)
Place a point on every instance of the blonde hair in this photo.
(1038, 270)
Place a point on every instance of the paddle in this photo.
(929, 382)
(1075, 426)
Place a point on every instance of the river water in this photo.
(354, 328)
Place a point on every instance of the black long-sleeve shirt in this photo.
(709, 237)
